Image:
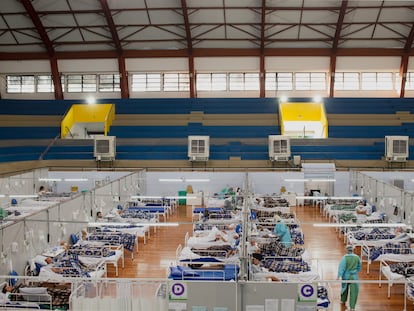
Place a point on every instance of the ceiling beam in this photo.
(39, 26)
(189, 39)
(339, 25)
(202, 52)
(262, 92)
(404, 61)
(335, 43)
(121, 59)
(48, 45)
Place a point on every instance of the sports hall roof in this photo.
(38, 29)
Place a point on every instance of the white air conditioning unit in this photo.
(396, 148)
(198, 148)
(279, 148)
(104, 148)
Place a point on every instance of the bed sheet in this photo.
(215, 202)
(308, 276)
(188, 256)
(46, 274)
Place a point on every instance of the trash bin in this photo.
(182, 197)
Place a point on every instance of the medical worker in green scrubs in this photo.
(348, 269)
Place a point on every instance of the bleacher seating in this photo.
(157, 129)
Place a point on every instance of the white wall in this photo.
(156, 64)
(226, 64)
(109, 65)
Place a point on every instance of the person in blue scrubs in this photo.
(348, 269)
(282, 231)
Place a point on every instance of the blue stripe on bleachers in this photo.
(72, 149)
(179, 152)
(153, 148)
(238, 131)
(337, 148)
(22, 149)
(19, 157)
(368, 105)
(208, 105)
(46, 132)
(146, 106)
(365, 131)
(36, 107)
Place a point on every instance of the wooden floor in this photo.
(154, 258)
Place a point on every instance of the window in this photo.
(385, 81)
(146, 82)
(377, 81)
(409, 84)
(211, 82)
(20, 84)
(244, 82)
(282, 81)
(176, 82)
(346, 81)
(81, 83)
(45, 84)
(310, 81)
(109, 83)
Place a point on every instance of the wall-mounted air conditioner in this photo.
(279, 148)
(396, 148)
(104, 148)
(198, 148)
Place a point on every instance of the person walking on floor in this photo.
(348, 269)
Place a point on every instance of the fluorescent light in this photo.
(171, 179)
(334, 225)
(126, 224)
(311, 179)
(346, 198)
(145, 197)
(283, 99)
(50, 179)
(2, 195)
(323, 179)
(91, 100)
(75, 179)
(311, 198)
(23, 195)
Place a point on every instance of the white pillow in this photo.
(34, 293)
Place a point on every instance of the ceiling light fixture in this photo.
(50, 179)
(75, 179)
(127, 224)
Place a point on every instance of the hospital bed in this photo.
(71, 267)
(396, 272)
(289, 269)
(368, 237)
(159, 207)
(197, 257)
(390, 251)
(112, 241)
(226, 272)
(29, 298)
